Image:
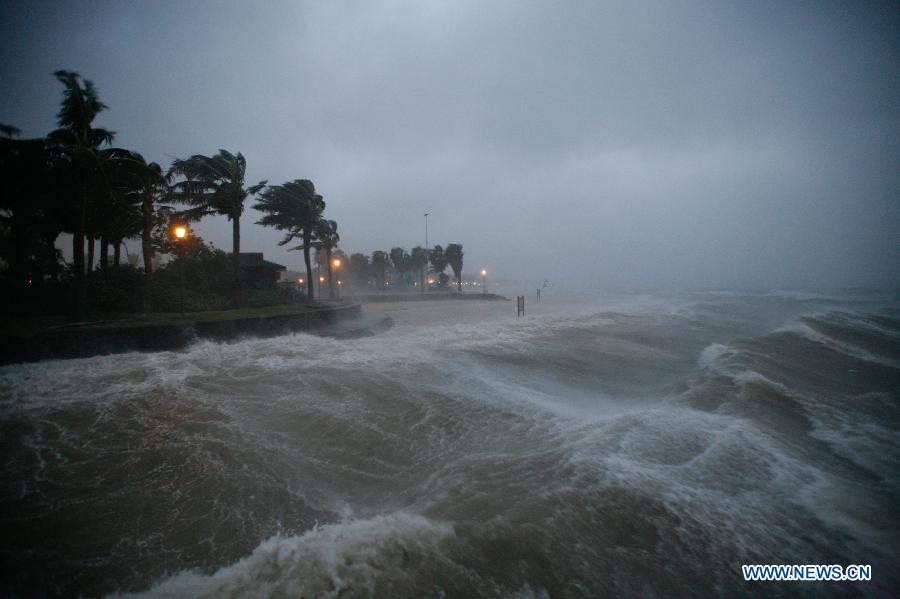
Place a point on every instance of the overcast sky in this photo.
(633, 144)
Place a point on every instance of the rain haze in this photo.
(608, 145)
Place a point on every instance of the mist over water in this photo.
(603, 445)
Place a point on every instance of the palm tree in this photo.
(419, 259)
(358, 269)
(78, 143)
(141, 190)
(379, 267)
(327, 239)
(152, 187)
(438, 260)
(296, 208)
(400, 260)
(215, 185)
(454, 254)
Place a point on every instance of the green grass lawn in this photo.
(29, 326)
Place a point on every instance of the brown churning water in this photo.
(602, 445)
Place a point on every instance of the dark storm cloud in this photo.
(674, 144)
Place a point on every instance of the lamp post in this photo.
(336, 264)
(180, 236)
(313, 282)
(426, 230)
(483, 280)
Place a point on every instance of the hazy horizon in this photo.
(647, 145)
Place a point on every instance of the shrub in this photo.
(260, 298)
(116, 289)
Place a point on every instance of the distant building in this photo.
(257, 272)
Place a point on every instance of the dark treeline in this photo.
(75, 181)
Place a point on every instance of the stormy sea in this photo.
(603, 445)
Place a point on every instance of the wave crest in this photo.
(323, 562)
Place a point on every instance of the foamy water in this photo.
(608, 445)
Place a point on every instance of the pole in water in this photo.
(520, 305)
(538, 296)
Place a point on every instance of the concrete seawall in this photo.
(341, 322)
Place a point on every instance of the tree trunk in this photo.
(147, 248)
(104, 252)
(309, 276)
(330, 275)
(459, 282)
(78, 256)
(53, 266)
(117, 252)
(236, 257)
(92, 246)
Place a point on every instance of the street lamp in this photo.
(335, 264)
(483, 280)
(181, 235)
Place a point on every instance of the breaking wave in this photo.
(326, 561)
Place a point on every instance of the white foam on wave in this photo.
(871, 443)
(751, 377)
(802, 329)
(99, 379)
(327, 561)
(719, 472)
(801, 296)
(413, 345)
(865, 323)
(713, 353)
(424, 341)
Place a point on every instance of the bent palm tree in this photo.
(77, 143)
(296, 208)
(327, 239)
(454, 255)
(215, 185)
